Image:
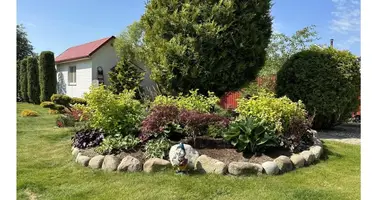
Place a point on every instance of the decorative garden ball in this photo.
(182, 166)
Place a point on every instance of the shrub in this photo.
(65, 121)
(326, 80)
(193, 101)
(114, 113)
(216, 131)
(59, 108)
(76, 100)
(29, 113)
(157, 148)
(33, 83)
(251, 135)
(61, 99)
(277, 111)
(24, 79)
(116, 143)
(211, 45)
(87, 138)
(47, 104)
(48, 76)
(53, 112)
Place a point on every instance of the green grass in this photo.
(46, 170)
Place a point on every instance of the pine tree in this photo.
(33, 83)
(47, 75)
(24, 80)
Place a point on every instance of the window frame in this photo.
(73, 75)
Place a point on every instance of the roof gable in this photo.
(82, 51)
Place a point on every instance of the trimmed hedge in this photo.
(47, 104)
(326, 80)
(33, 83)
(24, 80)
(76, 100)
(61, 99)
(48, 77)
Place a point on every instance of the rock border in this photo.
(206, 164)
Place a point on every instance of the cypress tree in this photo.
(33, 84)
(47, 74)
(24, 80)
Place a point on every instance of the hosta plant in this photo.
(87, 138)
(117, 143)
(157, 148)
(251, 135)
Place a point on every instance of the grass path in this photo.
(45, 170)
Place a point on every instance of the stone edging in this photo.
(205, 164)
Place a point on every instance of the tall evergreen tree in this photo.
(33, 83)
(24, 80)
(47, 75)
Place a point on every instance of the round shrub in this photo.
(29, 113)
(48, 77)
(76, 100)
(211, 45)
(326, 80)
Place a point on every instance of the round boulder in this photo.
(83, 160)
(308, 156)
(297, 160)
(96, 162)
(75, 152)
(130, 164)
(317, 151)
(110, 163)
(205, 164)
(270, 168)
(244, 168)
(284, 163)
(191, 155)
(155, 165)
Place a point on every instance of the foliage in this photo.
(57, 107)
(157, 148)
(24, 47)
(281, 47)
(277, 111)
(87, 138)
(18, 72)
(47, 104)
(65, 120)
(29, 113)
(327, 80)
(192, 101)
(216, 130)
(115, 143)
(24, 79)
(251, 135)
(61, 99)
(33, 82)
(127, 74)
(211, 45)
(114, 113)
(254, 88)
(53, 112)
(76, 100)
(48, 76)
(79, 114)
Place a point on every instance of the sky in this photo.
(57, 25)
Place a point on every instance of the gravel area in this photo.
(347, 133)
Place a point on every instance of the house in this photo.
(81, 66)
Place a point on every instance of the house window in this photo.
(72, 75)
(100, 75)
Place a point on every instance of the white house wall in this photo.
(83, 78)
(106, 58)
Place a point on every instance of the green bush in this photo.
(192, 101)
(326, 80)
(277, 111)
(114, 113)
(33, 83)
(251, 135)
(24, 79)
(157, 148)
(48, 76)
(58, 107)
(65, 121)
(211, 45)
(48, 104)
(61, 99)
(113, 144)
(76, 100)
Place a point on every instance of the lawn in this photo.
(45, 170)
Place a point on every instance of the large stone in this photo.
(155, 165)
(191, 155)
(83, 160)
(244, 168)
(297, 160)
(110, 163)
(75, 152)
(130, 164)
(205, 164)
(308, 156)
(96, 162)
(270, 168)
(284, 163)
(317, 151)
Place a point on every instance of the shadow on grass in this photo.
(327, 153)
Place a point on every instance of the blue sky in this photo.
(57, 25)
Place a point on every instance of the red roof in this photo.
(82, 51)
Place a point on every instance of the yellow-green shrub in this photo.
(53, 112)
(29, 113)
(47, 104)
(77, 100)
(193, 101)
(277, 111)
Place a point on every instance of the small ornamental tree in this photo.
(326, 80)
(33, 83)
(211, 45)
(47, 75)
(24, 79)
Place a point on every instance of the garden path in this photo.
(347, 133)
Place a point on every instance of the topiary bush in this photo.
(327, 80)
(61, 99)
(48, 76)
(47, 104)
(76, 100)
(24, 80)
(211, 45)
(33, 82)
